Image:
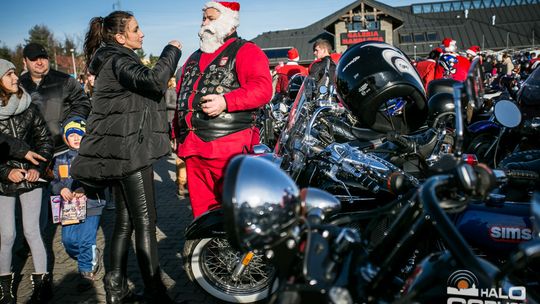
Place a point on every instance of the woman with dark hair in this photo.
(127, 132)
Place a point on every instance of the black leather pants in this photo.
(136, 210)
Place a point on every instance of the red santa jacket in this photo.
(426, 70)
(255, 90)
(286, 72)
(456, 70)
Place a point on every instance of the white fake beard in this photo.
(212, 35)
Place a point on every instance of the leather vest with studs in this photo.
(219, 77)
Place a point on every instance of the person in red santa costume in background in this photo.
(473, 52)
(451, 64)
(288, 70)
(220, 89)
(426, 68)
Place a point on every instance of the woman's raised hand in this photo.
(176, 43)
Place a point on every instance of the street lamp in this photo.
(414, 57)
(73, 59)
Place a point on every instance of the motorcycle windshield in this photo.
(297, 115)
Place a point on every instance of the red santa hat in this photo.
(448, 45)
(293, 55)
(229, 10)
(473, 50)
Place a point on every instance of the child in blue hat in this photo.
(79, 240)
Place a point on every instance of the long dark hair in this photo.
(102, 30)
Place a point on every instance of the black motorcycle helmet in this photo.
(294, 85)
(369, 76)
(441, 106)
(443, 85)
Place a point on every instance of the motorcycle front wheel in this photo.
(210, 263)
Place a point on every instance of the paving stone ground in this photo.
(174, 214)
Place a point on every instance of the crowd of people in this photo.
(499, 69)
(74, 138)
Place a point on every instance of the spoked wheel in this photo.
(211, 262)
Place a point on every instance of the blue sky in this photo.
(161, 20)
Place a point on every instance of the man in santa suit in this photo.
(451, 64)
(426, 68)
(220, 89)
(473, 52)
(288, 70)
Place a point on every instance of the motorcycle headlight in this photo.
(260, 203)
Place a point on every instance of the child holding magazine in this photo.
(78, 234)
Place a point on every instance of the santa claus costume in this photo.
(288, 70)
(451, 64)
(224, 68)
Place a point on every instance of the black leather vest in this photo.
(219, 77)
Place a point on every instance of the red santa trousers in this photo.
(205, 182)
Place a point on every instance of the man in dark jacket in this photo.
(58, 95)
(321, 50)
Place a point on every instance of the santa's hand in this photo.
(213, 104)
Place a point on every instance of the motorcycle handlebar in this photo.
(402, 142)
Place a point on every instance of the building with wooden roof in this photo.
(416, 29)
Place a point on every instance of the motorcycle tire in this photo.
(210, 262)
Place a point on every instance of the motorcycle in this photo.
(324, 263)
(224, 273)
(319, 262)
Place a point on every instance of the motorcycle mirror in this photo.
(260, 203)
(507, 113)
(323, 90)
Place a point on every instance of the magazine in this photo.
(68, 212)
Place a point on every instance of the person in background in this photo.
(287, 71)
(170, 99)
(126, 133)
(79, 240)
(89, 85)
(58, 96)
(451, 65)
(322, 49)
(507, 65)
(426, 68)
(21, 119)
(216, 113)
(473, 52)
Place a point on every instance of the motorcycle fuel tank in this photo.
(495, 230)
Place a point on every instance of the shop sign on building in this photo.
(356, 37)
